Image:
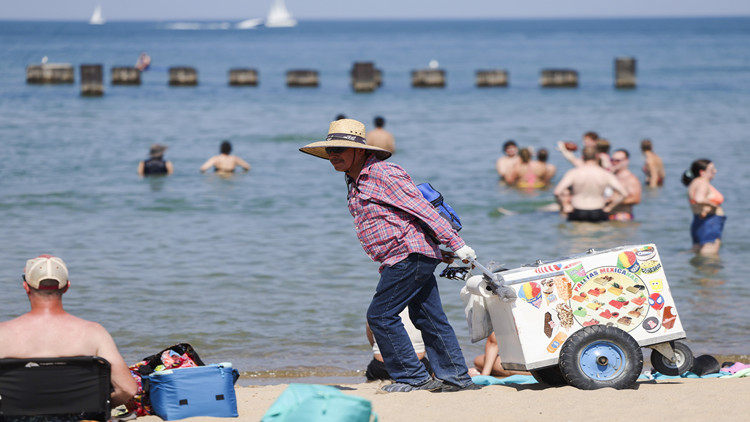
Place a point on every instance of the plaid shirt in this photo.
(387, 208)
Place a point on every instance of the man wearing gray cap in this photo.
(47, 331)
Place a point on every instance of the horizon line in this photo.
(384, 19)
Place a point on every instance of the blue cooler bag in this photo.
(195, 391)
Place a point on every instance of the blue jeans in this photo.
(412, 283)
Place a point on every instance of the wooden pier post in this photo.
(92, 80)
(126, 76)
(50, 73)
(428, 78)
(243, 77)
(488, 78)
(559, 78)
(183, 76)
(364, 77)
(302, 78)
(625, 73)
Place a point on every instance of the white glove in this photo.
(466, 254)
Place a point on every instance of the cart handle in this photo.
(496, 282)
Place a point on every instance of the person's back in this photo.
(380, 137)
(587, 183)
(549, 169)
(653, 168)
(49, 331)
(225, 162)
(155, 165)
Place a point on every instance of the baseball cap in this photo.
(46, 267)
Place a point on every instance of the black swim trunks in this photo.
(588, 215)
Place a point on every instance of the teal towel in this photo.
(659, 376)
(513, 379)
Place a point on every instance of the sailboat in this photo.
(96, 17)
(278, 16)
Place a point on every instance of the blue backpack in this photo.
(436, 199)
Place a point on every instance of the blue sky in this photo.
(235, 10)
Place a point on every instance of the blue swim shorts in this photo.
(707, 230)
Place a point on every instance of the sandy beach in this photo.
(675, 399)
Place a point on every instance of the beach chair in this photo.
(77, 385)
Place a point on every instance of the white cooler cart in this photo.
(582, 320)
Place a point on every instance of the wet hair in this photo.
(525, 155)
(226, 147)
(695, 170)
(340, 116)
(542, 155)
(624, 151)
(589, 153)
(602, 145)
(379, 122)
(509, 143)
(592, 135)
(646, 145)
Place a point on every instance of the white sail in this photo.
(278, 16)
(96, 17)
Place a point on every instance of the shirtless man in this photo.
(654, 167)
(380, 137)
(225, 162)
(624, 211)
(505, 164)
(48, 331)
(587, 183)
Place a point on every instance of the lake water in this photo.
(264, 269)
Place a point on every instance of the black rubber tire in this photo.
(684, 360)
(584, 362)
(550, 376)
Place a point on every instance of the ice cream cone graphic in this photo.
(531, 292)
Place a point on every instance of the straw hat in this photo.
(344, 133)
(157, 150)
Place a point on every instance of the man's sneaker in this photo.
(450, 388)
(400, 387)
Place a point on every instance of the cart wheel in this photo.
(683, 360)
(599, 357)
(550, 376)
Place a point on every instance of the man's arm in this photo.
(208, 164)
(123, 383)
(242, 163)
(617, 187)
(563, 184)
(568, 154)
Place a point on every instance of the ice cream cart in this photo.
(582, 320)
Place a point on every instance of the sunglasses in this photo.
(336, 150)
(616, 160)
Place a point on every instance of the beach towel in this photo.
(318, 403)
(513, 379)
(656, 376)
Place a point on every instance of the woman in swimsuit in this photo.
(527, 174)
(705, 202)
(225, 163)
